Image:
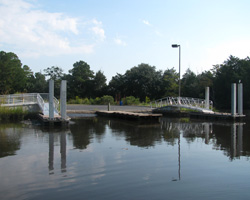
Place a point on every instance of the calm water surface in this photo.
(101, 158)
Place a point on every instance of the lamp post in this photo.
(176, 46)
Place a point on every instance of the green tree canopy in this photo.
(80, 80)
(12, 75)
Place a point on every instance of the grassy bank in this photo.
(12, 114)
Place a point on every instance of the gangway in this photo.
(183, 102)
(29, 99)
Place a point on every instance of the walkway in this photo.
(200, 105)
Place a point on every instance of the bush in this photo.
(131, 100)
(107, 99)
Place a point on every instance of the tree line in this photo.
(142, 81)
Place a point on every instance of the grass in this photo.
(12, 114)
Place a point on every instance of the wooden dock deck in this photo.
(129, 115)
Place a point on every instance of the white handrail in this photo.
(27, 99)
(181, 101)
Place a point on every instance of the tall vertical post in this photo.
(51, 99)
(207, 97)
(179, 71)
(63, 99)
(240, 99)
(233, 99)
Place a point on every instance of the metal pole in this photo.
(233, 99)
(240, 99)
(207, 98)
(63, 99)
(51, 99)
(179, 70)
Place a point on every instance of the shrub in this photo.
(131, 100)
(107, 99)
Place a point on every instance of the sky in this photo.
(115, 35)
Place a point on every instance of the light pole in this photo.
(176, 46)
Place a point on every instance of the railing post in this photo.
(51, 99)
(63, 99)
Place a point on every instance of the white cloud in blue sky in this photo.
(116, 35)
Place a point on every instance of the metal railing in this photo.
(28, 99)
(187, 102)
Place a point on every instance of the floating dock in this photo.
(216, 115)
(57, 120)
(129, 115)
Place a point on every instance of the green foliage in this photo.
(13, 114)
(231, 71)
(12, 75)
(170, 82)
(80, 80)
(131, 100)
(97, 101)
(147, 99)
(79, 100)
(140, 81)
(107, 99)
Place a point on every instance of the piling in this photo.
(51, 99)
(233, 99)
(63, 99)
(240, 99)
(207, 97)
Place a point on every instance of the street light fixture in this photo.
(176, 46)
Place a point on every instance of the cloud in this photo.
(146, 22)
(34, 32)
(118, 41)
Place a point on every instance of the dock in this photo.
(129, 115)
(57, 120)
(216, 116)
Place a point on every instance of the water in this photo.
(101, 158)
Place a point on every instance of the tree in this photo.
(80, 80)
(142, 81)
(54, 73)
(12, 75)
(189, 84)
(99, 84)
(231, 71)
(170, 82)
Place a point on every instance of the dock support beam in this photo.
(51, 99)
(233, 99)
(207, 98)
(63, 99)
(240, 99)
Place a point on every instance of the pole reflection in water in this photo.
(62, 152)
(236, 139)
(51, 153)
(179, 155)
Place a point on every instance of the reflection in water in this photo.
(51, 153)
(9, 139)
(168, 130)
(236, 139)
(62, 152)
(118, 157)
